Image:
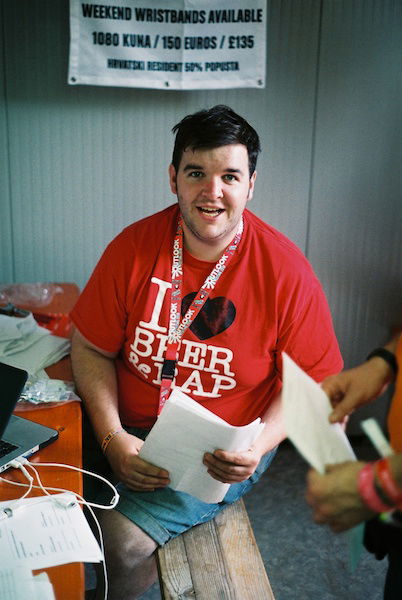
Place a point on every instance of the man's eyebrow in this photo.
(229, 170)
(194, 167)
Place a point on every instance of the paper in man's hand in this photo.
(306, 408)
(184, 431)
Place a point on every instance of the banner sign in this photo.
(176, 44)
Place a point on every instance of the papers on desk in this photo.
(41, 533)
(184, 431)
(26, 345)
(306, 408)
(18, 583)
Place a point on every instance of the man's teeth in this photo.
(211, 211)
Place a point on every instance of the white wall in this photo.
(77, 163)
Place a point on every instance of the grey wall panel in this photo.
(85, 161)
(6, 253)
(288, 115)
(355, 232)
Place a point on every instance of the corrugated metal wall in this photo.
(78, 163)
(354, 238)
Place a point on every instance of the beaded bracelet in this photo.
(365, 483)
(108, 438)
(388, 483)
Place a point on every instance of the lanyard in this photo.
(177, 327)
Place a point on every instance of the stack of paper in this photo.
(26, 345)
(184, 431)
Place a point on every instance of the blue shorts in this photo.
(165, 513)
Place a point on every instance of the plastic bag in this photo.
(32, 294)
(43, 393)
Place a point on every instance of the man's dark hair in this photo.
(212, 128)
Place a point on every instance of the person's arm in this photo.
(359, 386)
(335, 498)
(232, 467)
(95, 377)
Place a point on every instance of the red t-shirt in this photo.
(267, 301)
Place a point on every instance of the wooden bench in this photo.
(218, 560)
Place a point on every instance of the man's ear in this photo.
(172, 179)
(251, 185)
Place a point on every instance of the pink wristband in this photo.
(365, 483)
(388, 482)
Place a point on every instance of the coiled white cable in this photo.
(23, 463)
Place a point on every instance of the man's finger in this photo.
(344, 408)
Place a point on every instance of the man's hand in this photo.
(335, 498)
(135, 473)
(355, 387)
(232, 467)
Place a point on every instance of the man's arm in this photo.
(95, 377)
(359, 386)
(232, 467)
(334, 497)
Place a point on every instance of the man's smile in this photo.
(213, 212)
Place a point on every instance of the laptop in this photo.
(19, 438)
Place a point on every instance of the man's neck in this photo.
(201, 251)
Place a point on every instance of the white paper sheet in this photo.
(26, 345)
(41, 533)
(306, 408)
(18, 583)
(184, 431)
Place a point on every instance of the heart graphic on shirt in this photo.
(216, 315)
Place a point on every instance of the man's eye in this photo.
(229, 177)
(195, 174)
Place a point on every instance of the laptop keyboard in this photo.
(6, 447)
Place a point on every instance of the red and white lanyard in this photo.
(177, 327)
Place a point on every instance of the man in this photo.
(345, 496)
(138, 327)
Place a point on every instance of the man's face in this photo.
(213, 187)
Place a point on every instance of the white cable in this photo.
(7, 512)
(88, 505)
(20, 464)
(115, 498)
(28, 476)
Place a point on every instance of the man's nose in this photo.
(212, 188)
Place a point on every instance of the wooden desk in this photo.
(68, 580)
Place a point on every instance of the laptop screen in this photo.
(12, 381)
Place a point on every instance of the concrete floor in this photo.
(304, 561)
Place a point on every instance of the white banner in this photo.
(176, 44)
